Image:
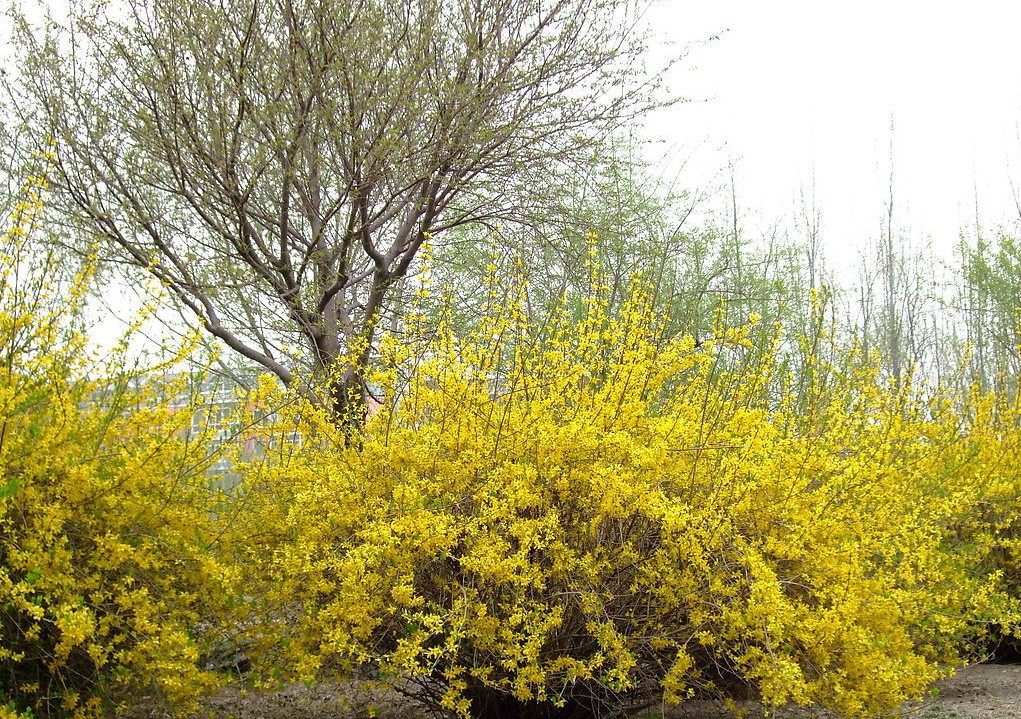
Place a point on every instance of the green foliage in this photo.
(991, 300)
(694, 265)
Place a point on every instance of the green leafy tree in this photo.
(991, 304)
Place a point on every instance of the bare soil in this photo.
(981, 691)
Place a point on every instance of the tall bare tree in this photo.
(278, 164)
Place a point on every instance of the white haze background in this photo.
(798, 93)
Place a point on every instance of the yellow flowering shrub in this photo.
(105, 568)
(585, 516)
(7, 711)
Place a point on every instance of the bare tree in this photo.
(1015, 190)
(278, 164)
(808, 221)
(889, 252)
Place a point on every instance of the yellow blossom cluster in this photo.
(561, 517)
(105, 570)
(584, 515)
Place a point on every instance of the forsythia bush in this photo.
(589, 518)
(105, 570)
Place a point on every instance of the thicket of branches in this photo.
(279, 165)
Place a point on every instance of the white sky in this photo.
(794, 85)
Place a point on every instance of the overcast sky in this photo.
(791, 87)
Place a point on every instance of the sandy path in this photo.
(977, 692)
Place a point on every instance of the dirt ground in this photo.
(981, 691)
(992, 691)
(984, 691)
